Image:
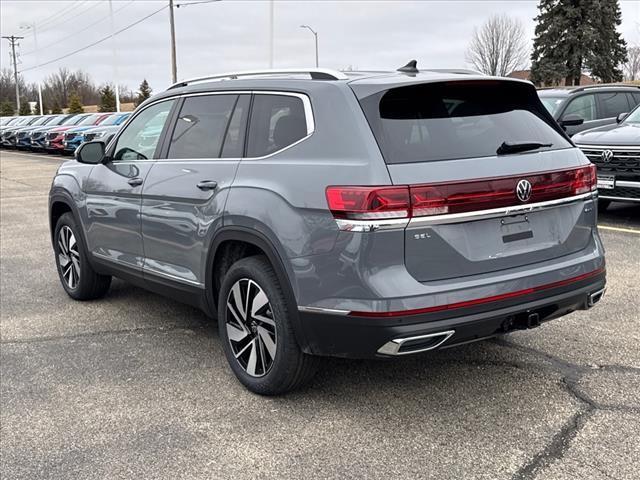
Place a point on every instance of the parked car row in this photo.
(61, 133)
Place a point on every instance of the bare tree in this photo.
(498, 47)
(632, 65)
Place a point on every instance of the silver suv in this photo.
(315, 212)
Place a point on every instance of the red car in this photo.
(55, 137)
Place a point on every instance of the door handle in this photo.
(207, 185)
(135, 182)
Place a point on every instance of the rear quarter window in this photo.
(455, 120)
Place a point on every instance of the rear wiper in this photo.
(518, 147)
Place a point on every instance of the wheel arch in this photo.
(262, 245)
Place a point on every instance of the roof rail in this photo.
(600, 85)
(315, 73)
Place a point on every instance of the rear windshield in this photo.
(445, 121)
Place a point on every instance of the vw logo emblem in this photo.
(523, 190)
(607, 156)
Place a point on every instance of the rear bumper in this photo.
(343, 335)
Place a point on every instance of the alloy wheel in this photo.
(69, 257)
(251, 328)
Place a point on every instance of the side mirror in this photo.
(571, 120)
(90, 152)
(620, 118)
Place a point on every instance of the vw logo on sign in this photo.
(607, 156)
(523, 190)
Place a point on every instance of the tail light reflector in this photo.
(367, 203)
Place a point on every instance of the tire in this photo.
(77, 276)
(262, 352)
(603, 205)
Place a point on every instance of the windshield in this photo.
(74, 120)
(6, 120)
(41, 121)
(633, 117)
(552, 103)
(431, 122)
(90, 120)
(112, 120)
(58, 120)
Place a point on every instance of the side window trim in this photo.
(162, 148)
(308, 116)
(156, 154)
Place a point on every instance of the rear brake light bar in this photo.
(407, 201)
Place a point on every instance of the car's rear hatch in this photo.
(442, 139)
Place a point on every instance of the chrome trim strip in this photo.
(157, 273)
(417, 222)
(337, 75)
(392, 347)
(626, 183)
(622, 199)
(330, 311)
(371, 225)
(147, 270)
(624, 148)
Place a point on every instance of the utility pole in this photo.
(174, 67)
(12, 41)
(115, 57)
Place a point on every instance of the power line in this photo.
(57, 23)
(77, 32)
(60, 13)
(178, 5)
(98, 41)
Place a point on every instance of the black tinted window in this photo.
(277, 121)
(612, 104)
(201, 126)
(234, 139)
(431, 122)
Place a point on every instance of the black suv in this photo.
(582, 108)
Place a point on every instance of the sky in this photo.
(231, 35)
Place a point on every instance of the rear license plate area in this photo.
(606, 182)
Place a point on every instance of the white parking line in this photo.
(33, 155)
(618, 229)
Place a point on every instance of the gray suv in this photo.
(320, 213)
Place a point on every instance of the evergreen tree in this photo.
(7, 109)
(75, 105)
(144, 92)
(55, 108)
(107, 99)
(609, 50)
(25, 108)
(572, 35)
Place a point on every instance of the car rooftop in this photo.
(570, 90)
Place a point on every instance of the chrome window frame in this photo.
(306, 103)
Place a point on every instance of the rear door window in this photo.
(277, 121)
(201, 126)
(612, 104)
(430, 122)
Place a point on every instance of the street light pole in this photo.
(174, 66)
(32, 26)
(315, 34)
(115, 58)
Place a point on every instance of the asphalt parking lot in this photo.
(136, 385)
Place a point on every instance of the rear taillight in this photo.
(368, 203)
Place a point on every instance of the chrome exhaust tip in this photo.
(417, 344)
(595, 297)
